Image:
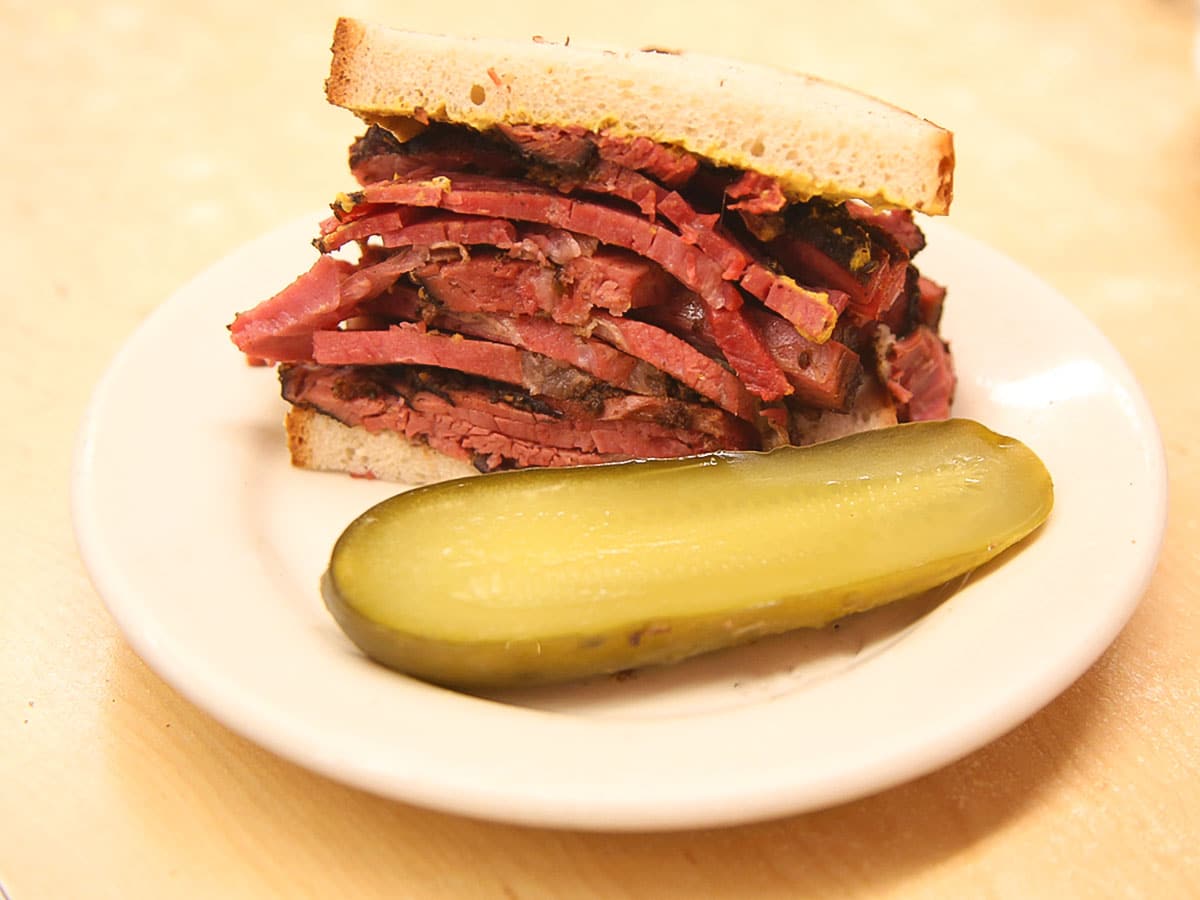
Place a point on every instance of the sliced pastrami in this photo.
(278, 329)
(552, 246)
(700, 257)
(443, 231)
(579, 298)
(811, 264)
(611, 280)
(616, 280)
(573, 148)
(375, 141)
(460, 422)
(499, 284)
(273, 349)
(684, 315)
(704, 231)
(672, 166)
(372, 280)
(921, 375)
(813, 312)
(610, 180)
(897, 224)
(505, 199)
(500, 428)
(679, 359)
(569, 147)
(336, 234)
(579, 160)
(412, 344)
(746, 351)
(517, 200)
(533, 333)
(408, 227)
(756, 193)
(378, 155)
(873, 290)
(634, 356)
(888, 301)
(931, 297)
(824, 375)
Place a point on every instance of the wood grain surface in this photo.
(141, 141)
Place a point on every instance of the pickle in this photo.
(547, 575)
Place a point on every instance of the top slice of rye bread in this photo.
(816, 138)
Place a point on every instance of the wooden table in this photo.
(142, 142)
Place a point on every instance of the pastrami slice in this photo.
(632, 298)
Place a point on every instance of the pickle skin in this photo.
(549, 575)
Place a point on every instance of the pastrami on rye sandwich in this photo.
(562, 256)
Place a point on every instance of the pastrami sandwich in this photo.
(563, 256)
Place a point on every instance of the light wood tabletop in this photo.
(143, 141)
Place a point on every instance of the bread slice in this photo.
(816, 138)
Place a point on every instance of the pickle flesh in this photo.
(546, 575)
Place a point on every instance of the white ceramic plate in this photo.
(207, 547)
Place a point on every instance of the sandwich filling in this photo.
(538, 296)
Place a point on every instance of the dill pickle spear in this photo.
(548, 575)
